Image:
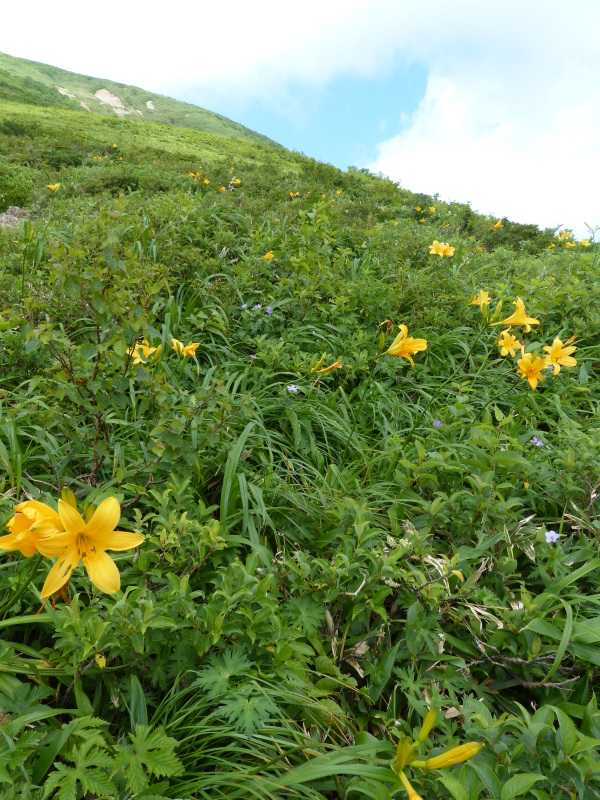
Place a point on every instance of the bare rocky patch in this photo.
(12, 216)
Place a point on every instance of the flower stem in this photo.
(358, 413)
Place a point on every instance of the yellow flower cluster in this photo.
(66, 536)
(530, 365)
(142, 353)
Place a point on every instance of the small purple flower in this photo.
(438, 423)
(292, 388)
(539, 443)
(269, 309)
(253, 355)
(257, 306)
(534, 440)
(244, 305)
(552, 537)
(550, 367)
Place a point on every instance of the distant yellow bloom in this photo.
(87, 542)
(237, 181)
(114, 145)
(323, 196)
(231, 170)
(551, 246)
(120, 158)
(206, 181)
(585, 243)
(422, 219)
(100, 660)
(432, 209)
(531, 368)
(336, 365)
(268, 256)
(559, 354)
(479, 250)
(418, 208)
(294, 194)
(519, 317)
(190, 349)
(405, 346)
(142, 351)
(508, 344)
(482, 299)
(395, 223)
(338, 192)
(184, 350)
(562, 235)
(570, 245)
(497, 225)
(441, 249)
(222, 189)
(53, 187)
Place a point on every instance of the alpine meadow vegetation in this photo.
(297, 499)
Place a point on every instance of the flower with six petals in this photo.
(508, 344)
(519, 317)
(25, 527)
(405, 346)
(530, 367)
(559, 354)
(87, 542)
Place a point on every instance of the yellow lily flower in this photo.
(519, 317)
(565, 235)
(418, 208)
(585, 243)
(206, 181)
(432, 209)
(142, 351)
(509, 344)
(53, 187)
(190, 349)
(551, 246)
(184, 350)
(531, 368)
(570, 245)
(437, 248)
(87, 542)
(268, 256)
(422, 219)
(497, 226)
(24, 527)
(404, 347)
(482, 299)
(559, 354)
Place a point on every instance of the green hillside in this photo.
(298, 479)
(40, 84)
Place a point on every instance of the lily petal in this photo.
(54, 545)
(118, 540)
(103, 571)
(104, 519)
(70, 518)
(61, 571)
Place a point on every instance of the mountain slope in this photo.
(40, 84)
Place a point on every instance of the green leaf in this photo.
(519, 784)
(138, 712)
(453, 786)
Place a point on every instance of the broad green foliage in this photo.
(336, 541)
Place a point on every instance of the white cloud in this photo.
(510, 125)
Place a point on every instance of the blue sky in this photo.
(475, 101)
(343, 122)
